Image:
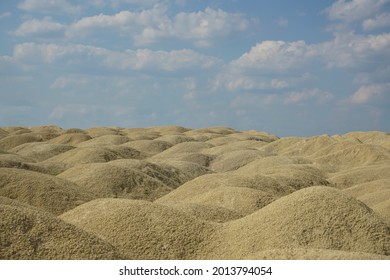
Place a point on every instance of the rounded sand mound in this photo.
(150, 147)
(12, 141)
(104, 180)
(40, 151)
(27, 233)
(206, 212)
(220, 190)
(375, 194)
(358, 175)
(165, 173)
(313, 254)
(70, 139)
(142, 230)
(43, 191)
(317, 217)
(104, 140)
(95, 154)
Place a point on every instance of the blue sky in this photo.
(293, 68)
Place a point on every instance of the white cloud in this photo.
(49, 6)
(50, 53)
(160, 60)
(276, 56)
(36, 27)
(380, 21)
(283, 22)
(142, 59)
(5, 15)
(124, 22)
(358, 53)
(148, 26)
(319, 96)
(369, 93)
(354, 10)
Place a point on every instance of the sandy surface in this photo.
(177, 193)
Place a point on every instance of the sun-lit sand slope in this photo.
(178, 193)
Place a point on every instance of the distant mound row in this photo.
(177, 193)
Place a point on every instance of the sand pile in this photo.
(40, 151)
(104, 180)
(28, 233)
(142, 230)
(70, 139)
(44, 191)
(177, 193)
(322, 218)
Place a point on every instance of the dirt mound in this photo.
(44, 191)
(101, 131)
(104, 180)
(230, 192)
(375, 194)
(70, 139)
(142, 230)
(175, 139)
(96, 154)
(313, 254)
(359, 175)
(352, 156)
(27, 233)
(12, 141)
(167, 174)
(150, 147)
(3, 133)
(40, 151)
(234, 160)
(104, 140)
(317, 217)
(206, 212)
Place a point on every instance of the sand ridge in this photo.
(171, 192)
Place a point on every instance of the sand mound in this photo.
(3, 133)
(12, 141)
(206, 212)
(175, 139)
(230, 192)
(313, 254)
(359, 175)
(27, 233)
(40, 151)
(104, 140)
(47, 192)
(375, 194)
(140, 229)
(169, 129)
(222, 130)
(353, 155)
(167, 174)
(317, 217)
(96, 154)
(70, 139)
(101, 131)
(104, 180)
(16, 129)
(234, 160)
(47, 129)
(140, 133)
(150, 147)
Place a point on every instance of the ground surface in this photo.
(178, 193)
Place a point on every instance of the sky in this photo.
(292, 68)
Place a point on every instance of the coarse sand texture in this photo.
(172, 192)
